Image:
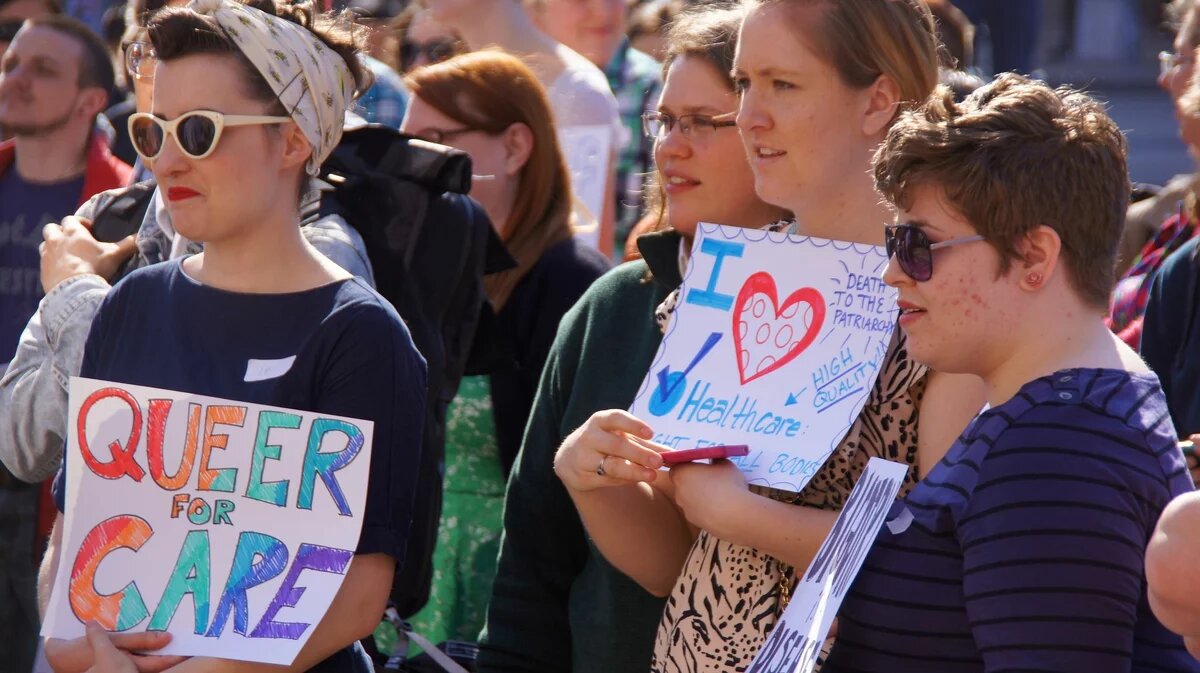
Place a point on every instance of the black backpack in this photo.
(429, 246)
(122, 216)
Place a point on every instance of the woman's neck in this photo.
(266, 258)
(1065, 335)
(856, 214)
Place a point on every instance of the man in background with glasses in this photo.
(55, 78)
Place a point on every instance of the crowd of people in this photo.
(167, 217)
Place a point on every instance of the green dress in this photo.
(464, 562)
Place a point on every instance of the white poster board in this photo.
(796, 641)
(229, 525)
(588, 151)
(776, 343)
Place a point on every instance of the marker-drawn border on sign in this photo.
(706, 229)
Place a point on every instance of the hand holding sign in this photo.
(78, 655)
(195, 515)
(106, 657)
(776, 343)
(708, 495)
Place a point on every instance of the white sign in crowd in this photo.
(776, 344)
(229, 525)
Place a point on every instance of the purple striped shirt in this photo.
(1026, 543)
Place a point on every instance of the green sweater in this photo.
(557, 605)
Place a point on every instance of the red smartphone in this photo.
(720, 451)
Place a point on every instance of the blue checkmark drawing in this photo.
(668, 381)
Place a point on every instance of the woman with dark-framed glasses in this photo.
(233, 146)
(490, 105)
(556, 605)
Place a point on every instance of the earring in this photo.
(1034, 278)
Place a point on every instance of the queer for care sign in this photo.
(230, 525)
(776, 343)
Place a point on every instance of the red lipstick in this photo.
(181, 193)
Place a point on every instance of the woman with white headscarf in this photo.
(246, 106)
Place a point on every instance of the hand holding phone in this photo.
(700, 453)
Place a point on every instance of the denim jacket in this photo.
(33, 391)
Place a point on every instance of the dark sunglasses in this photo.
(912, 249)
(8, 30)
(196, 132)
(434, 52)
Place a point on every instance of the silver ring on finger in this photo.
(600, 471)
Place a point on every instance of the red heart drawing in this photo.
(764, 334)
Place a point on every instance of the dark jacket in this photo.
(557, 605)
(520, 336)
(1171, 335)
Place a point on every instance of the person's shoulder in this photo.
(574, 258)
(582, 74)
(1182, 260)
(360, 318)
(1103, 412)
(356, 299)
(618, 285)
(143, 291)
(153, 275)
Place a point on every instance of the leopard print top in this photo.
(727, 597)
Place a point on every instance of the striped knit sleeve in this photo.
(1053, 539)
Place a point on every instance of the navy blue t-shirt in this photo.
(1023, 549)
(26, 207)
(339, 349)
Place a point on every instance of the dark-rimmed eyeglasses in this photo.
(441, 136)
(913, 250)
(659, 124)
(140, 60)
(434, 51)
(196, 132)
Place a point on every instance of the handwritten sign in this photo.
(230, 525)
(588, 153)
(776, 343)
(795, 643)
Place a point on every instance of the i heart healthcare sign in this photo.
(776, 343)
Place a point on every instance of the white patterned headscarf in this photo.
(310, 79)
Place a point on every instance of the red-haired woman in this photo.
(490, 105)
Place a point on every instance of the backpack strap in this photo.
(123, 215)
